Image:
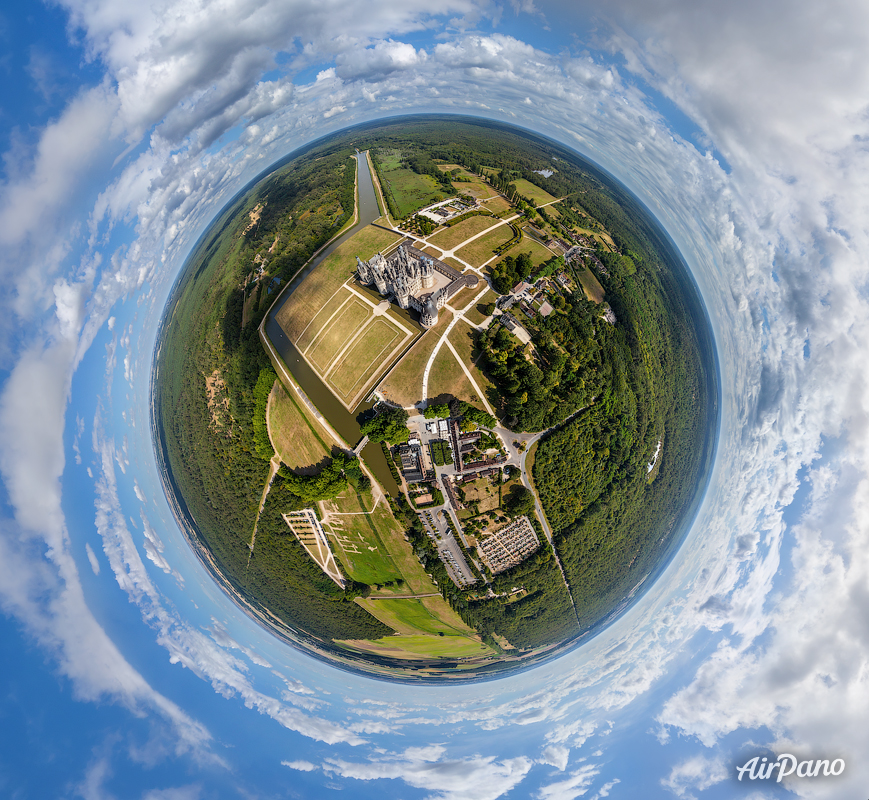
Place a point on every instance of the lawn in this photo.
(451, 237)
(407, 616)
(534, 193)
(481, 250)
(357, 537)
(590, 285)
(367, 356)
(497, 204)
(299, 440)
(539, 253)
(462, 338)
(404, 384)
(348, 320)
(483, 492)
(447, 377)
(476, 314)
(321, 286)
(323, 316)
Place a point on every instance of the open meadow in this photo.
(299, 439)
(534, 193)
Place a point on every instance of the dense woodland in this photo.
(218, 455)
(638, 381)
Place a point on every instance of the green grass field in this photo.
(534, 193)
(462, 338)
(369, 355)
(447, 377)
(498, 205)
(409, 191)
(404, 384)
(476, 313)
(407, 616)
(539, 253)
(323, 317)
(299, 440)
(590, 285)
(322, 285)
(355, 532)
(481, 250)
(450, 237)
(334, 335)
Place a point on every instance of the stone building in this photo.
(414, 279)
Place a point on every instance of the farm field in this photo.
(404, 384)
(300, 441)
(321, 286)
(450, 237)
(409, 191)
(481, 250)
(423, 647)
(534, 193)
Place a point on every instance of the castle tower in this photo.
(363, 270)
(429, 315)
(427, 273)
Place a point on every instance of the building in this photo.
(414, 279)
(412, 467)
(509, 546)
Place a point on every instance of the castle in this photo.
(406, 274)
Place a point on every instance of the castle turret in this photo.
(364, 271)
(429, 315)
(428, 277)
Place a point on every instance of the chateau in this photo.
(406, 273)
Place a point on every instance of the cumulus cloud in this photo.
(475, 778)
(695, 774)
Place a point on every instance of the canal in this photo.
(343, 421)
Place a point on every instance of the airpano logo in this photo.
(763, 769)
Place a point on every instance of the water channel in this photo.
(343, 421)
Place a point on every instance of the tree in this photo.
(520, 501)
(388, 425)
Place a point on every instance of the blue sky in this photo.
(129, 674)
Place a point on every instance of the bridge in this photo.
(359, 447)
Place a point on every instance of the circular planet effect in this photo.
(202, 442)
(129, 673)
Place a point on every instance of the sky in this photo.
(124, 129)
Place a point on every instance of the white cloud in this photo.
(576, 785)
(475, 778)
(301, 766)
(695, 774)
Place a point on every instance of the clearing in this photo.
(534, 193)
(590, 285)
(300, 441)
